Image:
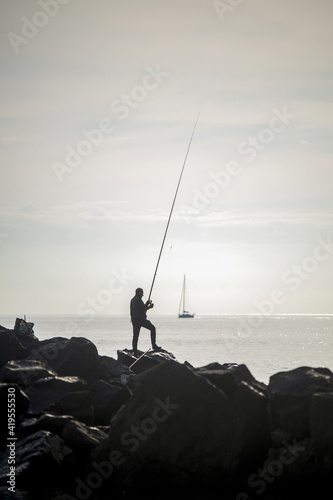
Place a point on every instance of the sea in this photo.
(266, 344)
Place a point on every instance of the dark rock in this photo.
(25, 372)
(107, 399)
(321, 430)
(285, 473)
(229, 376)
(14, 403)
(291, 393)
(255, 431)
(110, 370)
(21, 399)
(63, 395)
(149, 360)
(221, 378)
(10, 346)
(179, 427)
(68, 357)
(81, 438)
(242, 373)
(45, 392)
(78, 404)
(167, 425)
(39, 458)
(46, 422)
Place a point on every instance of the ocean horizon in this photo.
(266, 344)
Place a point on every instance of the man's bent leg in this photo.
(149, 325)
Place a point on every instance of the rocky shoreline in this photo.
(78, 425)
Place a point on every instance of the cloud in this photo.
(113, 207)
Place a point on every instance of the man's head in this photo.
(139, 292)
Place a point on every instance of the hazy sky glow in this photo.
(98, 102)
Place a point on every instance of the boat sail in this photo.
(183, 313)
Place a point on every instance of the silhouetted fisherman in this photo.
(139, 319)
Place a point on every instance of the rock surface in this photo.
(291, 396)
(107, 430)
(144, 361)
(39, 458)
(179, 426)
(25, 371)
(10, 346)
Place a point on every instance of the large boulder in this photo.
(14, 404)
(107, 399)
(180, 428)
(229, 376)
(46, 422)
(144, 361)
(77, 404)
(39, 458)
(24, 372)
(62, 395)
(220, 377)
(68, 357)
(110, 370)
(291, 395)
(81, 438)
(321, 430)
(10, 346)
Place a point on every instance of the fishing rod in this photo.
(139, 358)
(173, 204)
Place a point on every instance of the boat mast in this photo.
(184, 293)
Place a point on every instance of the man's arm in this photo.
(149, 305)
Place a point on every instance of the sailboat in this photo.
(183, 313)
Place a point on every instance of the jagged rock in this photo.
(14, 403)
(238, 384)
(321, 429)
(25, 372)
(110, 369)
(46, 422)
(220, 377)
(78, 404)
(68, 357)
(178, 426)
(291, 393)
(63, 395)
(149, 360)
(10, 347)
(81, 438)
(45, 392)
(168, 423)
(41, 458)
(107, 399)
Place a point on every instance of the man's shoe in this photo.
(156, 348)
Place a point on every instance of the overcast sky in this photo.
(98, 103)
